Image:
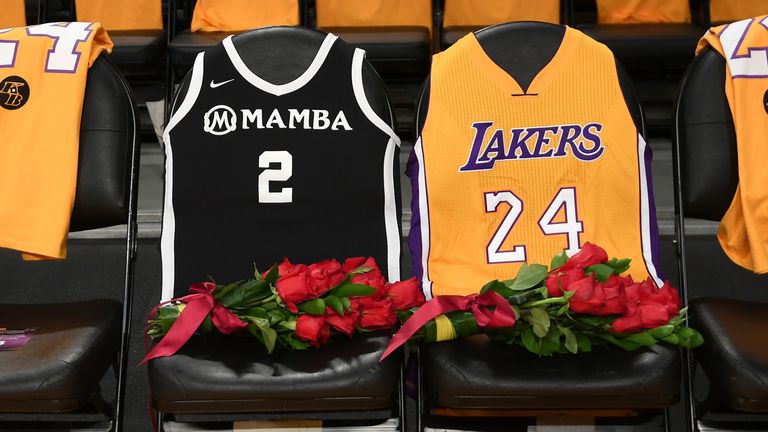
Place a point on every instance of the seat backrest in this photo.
(237, 15)
(706, 139)
(489, 12)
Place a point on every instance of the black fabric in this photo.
(707, 139)
(451, 35)
(397, 53)
(477, 373)
(336, 180)
(138, 52)
(60, 368)
(229, 375)
(185, 46)
(107, 129)
(735, 354)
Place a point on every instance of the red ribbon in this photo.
(501, 316)
(199, 305)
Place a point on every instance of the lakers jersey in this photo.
(721, 11)
(489, 12)
(743, 231)
(43, 70)
(258, 171)
(504, 175)
(643, 11)
(13, 14)
(372, 13)
(239, 15)
(122, 14)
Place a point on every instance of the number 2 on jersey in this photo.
(571, 227)
(283, 173)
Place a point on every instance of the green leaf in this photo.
(347, 303)
(499, 287)
(294, 342)
(272, 276)
(662, 331)
(360, 270)
(689, 338)
(256, 274)
(258, 322)
(622, 343)
(530, 341)
(558, 260)
(334, 303)
(601, 271)
(464, 323)
(313, 307)
(270, 337)
(563, 309)
(584, 343)
(643, 339)
(219, 293)
(245, 294)
(522, 297)
(571, 342)
(551, 342)
(671, 339)
(619, 266)
(288, 324)
(539, 319)
(529, 276)
(207, 325)
(352, 290)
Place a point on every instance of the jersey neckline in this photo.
(542, 79)
(279, 89)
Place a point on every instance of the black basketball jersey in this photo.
(257, 171)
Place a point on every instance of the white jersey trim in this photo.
(645, 214)
(279, 89)
(362, 100)
(167, 238)
(426, 284)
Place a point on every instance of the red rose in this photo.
(565, 278)
(644, 316)
(284, 267)
(587, 256)
(615, 299)
(344, 324)
(376, 314)
(325, 275)
(585, 297)
(313, 329)
(405, 294)
(351, 264)
(294, 287)
(372, 278)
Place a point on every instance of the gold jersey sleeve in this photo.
(722, 11)
(489, 12)
(43, 72)
(13, 14)
(743, 231)
(503, 175)
(374, 13)
(239, 15)
(643, 11)
(122, 14)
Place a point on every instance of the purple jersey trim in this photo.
(652, 222)
(414, 236)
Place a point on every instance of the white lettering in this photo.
(296, 116)
(275, 118)
(321, 120)
(340, 120)
(250, 117)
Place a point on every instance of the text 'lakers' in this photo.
(492, 145)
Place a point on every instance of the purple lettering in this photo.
(589, 154)
(570, 133)
(542, 140)
(472, 163)
(516, 143)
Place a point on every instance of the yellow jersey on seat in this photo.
(374, 13)
(14, 14)
(489, 12)
(241, 15)
(643, 11)
(122, 14)
(722, 11)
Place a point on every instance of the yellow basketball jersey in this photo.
(721, 11)
(373, 13)
(239, 15)
(13, 14)
(42, 82)
(122, 14)
(643, 11)
(489, 12)
(502, 176)
(743, 232)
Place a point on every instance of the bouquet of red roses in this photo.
(578, 302)
(293, 306)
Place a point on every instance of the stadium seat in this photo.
(725, 11)
(55, 377)
(734, 356)
(463, 16)
(229, 379)
(477, 377)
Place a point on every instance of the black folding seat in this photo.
(56, 376)
(231, 379)
(728, 303)
(465, 379)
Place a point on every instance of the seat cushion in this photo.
(185, 46)
(230, 375)
(477, 373)
(138, 52)
(649, 46)
(61, 366)
(451, 35)
(397, 53)
(735, 353)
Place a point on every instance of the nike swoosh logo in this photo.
(215, 84)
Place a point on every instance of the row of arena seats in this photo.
(654, 39)
(202, 384)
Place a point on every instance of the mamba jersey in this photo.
(239, 15)
(489, 12)
(122, 14)
(743, 231)
(721, 11)
(257, 171)
(43, 71)
(503, 176)
(372, 13)
(13, 15)
(643, 11)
